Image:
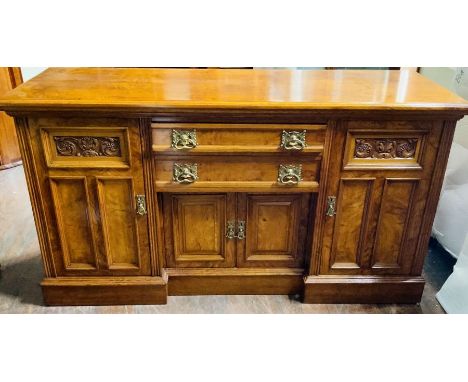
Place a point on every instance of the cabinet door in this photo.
(92, 172)
(380, 174)
(195, 228)
(276, 230)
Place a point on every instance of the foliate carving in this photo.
(385, 148)
(88, 146)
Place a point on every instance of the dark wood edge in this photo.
(328, 289)
(292, 116)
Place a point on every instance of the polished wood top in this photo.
(152, 90)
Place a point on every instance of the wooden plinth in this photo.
(104, 291)
(363, 290)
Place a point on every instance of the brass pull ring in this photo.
(184, 139)
(289, 174)
(185, 172)
(293, 140)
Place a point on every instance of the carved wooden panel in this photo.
(93, 147)
(393, 223)
(393, 149)
(351, 223)
(119, 223)
(87, 146)
(385, 148)
(276, 230)
(195, 228)
(73, 213)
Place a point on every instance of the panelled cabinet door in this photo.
(379, 174)
(93, 174)
(276, 230)
(197, 229)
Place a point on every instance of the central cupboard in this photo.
(237, 229)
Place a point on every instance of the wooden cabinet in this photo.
(377, 193)
(236, 230)
(146, 183)
(91, 179)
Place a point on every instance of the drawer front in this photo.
(171, 138)
(237, 173)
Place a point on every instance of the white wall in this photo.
(29, 72)
(456, 80)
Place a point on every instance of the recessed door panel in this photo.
(276, 230)
(195, 230)
(393, 223)
(119, 222)
(72, 209)
(350, 223)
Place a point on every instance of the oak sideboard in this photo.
(146, 183)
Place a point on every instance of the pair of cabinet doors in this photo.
(270, 230)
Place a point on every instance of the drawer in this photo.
(174, 138)
(237, 173)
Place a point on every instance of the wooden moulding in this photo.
(104, 291)
(363, 289)
(193, 282)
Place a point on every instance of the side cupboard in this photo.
(146, 183)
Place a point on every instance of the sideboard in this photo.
(146, 183)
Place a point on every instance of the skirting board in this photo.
(193, 282)
(104, 291)
(363, 290)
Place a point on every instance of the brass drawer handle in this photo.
(184, 139)
(241, 230)
(230, 232)
(293, 140)
(289, 174)
(331, 206)
(185, 172)
(141, 205)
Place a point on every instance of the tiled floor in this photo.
(21, 273)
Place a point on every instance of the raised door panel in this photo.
(394, 224)
(276, 230)
(351, 223)
(195, 230)
(73, 215)
(119, 223)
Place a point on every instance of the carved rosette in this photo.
(88, 146)
(385, 148)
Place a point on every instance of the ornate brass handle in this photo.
(140, 205)
(184, 139)
(185, 172)
(230, 232)
(241, 230)
(289, 174)
(331, 206)
(293, 140)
